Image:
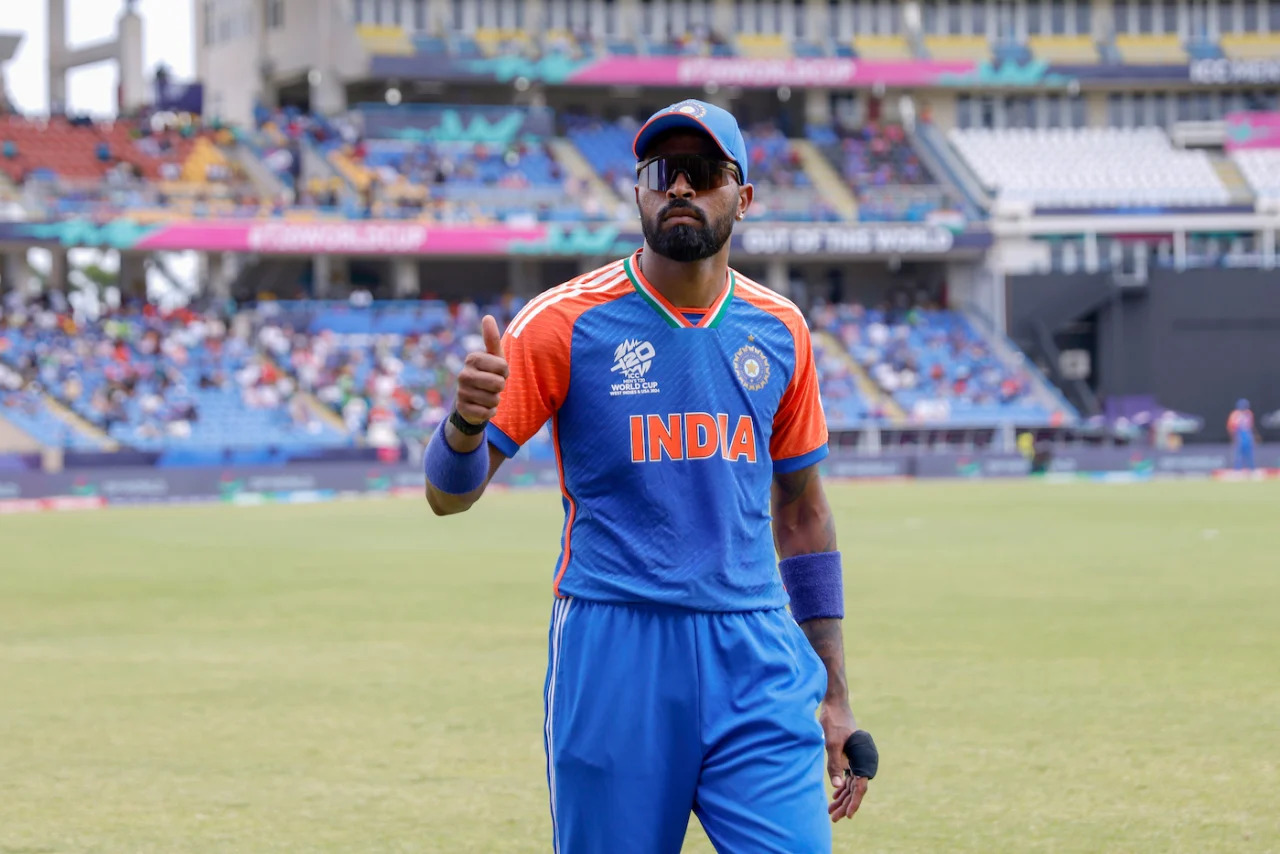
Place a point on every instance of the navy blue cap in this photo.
(717, 123)
(1242, 403)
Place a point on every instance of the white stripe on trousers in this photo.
(558, 614)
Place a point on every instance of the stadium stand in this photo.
(449, 164)
(764, 46)
(189, 379)
(882, 47)
(385, 40)
(842, 401)
(935, 365)
(947, 47)
(1250, 45)
(1261, 169)
(1092, 167)
(1067, 50)
(26, 410)
(1146, 49)
(385, 370)
(891, 182)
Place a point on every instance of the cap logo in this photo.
(690, 108)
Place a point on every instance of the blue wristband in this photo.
(815, 584)
(452, 472)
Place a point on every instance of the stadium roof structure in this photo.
(9, 45)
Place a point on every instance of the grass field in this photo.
(1046, 668)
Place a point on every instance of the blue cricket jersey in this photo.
(667, 433)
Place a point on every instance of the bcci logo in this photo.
(752, 367)
(632, 360)
(690, 108)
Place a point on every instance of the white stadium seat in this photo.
(1089, 167)
(1261, 168)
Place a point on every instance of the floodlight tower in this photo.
(124, 49)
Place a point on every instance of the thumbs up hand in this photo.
(483, 377)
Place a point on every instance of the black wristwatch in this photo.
(464, 426)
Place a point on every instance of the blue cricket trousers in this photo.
(654, 712)
(1243, 457)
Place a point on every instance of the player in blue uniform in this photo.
(1240, 426)
(687, 427)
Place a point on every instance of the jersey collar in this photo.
(668, 312)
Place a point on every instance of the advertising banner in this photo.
(679, 71)
(391, 237)
(854, 239)
(1252, 130)
(1220, 71)
(27, 491)
(733, 71)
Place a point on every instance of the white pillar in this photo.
(321, 276)
(629, 23)
(58, 269)
(15, 274)
(722, 17)
(133, 83)
(405, 283)
(133, 274)
(817, 107)
(57, 49)
(776, 277)
(217, 274)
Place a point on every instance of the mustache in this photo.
(682, 208)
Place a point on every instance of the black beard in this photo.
(686, 243)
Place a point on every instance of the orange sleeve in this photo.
(537, 354)
(799, 425)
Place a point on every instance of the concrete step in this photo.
(15, 441)
(822, 173)
(568, 156)
(867, 386)
(80, 425)
(1235, 182)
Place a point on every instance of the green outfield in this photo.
(1046, 668)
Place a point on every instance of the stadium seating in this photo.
(952, 47)
(385, 40)
(1251, 45)
(784, 190)
(935, 365)
(185, 380)
(1091, 167)
(494, 42)
(882, 47)
(387, 370)
(1261, 168)
(1067, 50)
(842, 401)
(763, 46)
(1150, 49)
(883, 169)
(26, 411)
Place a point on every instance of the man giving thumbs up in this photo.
(458, 468)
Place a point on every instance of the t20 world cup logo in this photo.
(633, 358)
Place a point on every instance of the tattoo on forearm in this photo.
(827, 639)
(792, 487)
(800, 514)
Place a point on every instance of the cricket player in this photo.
(684, 410)
(1240, 426)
